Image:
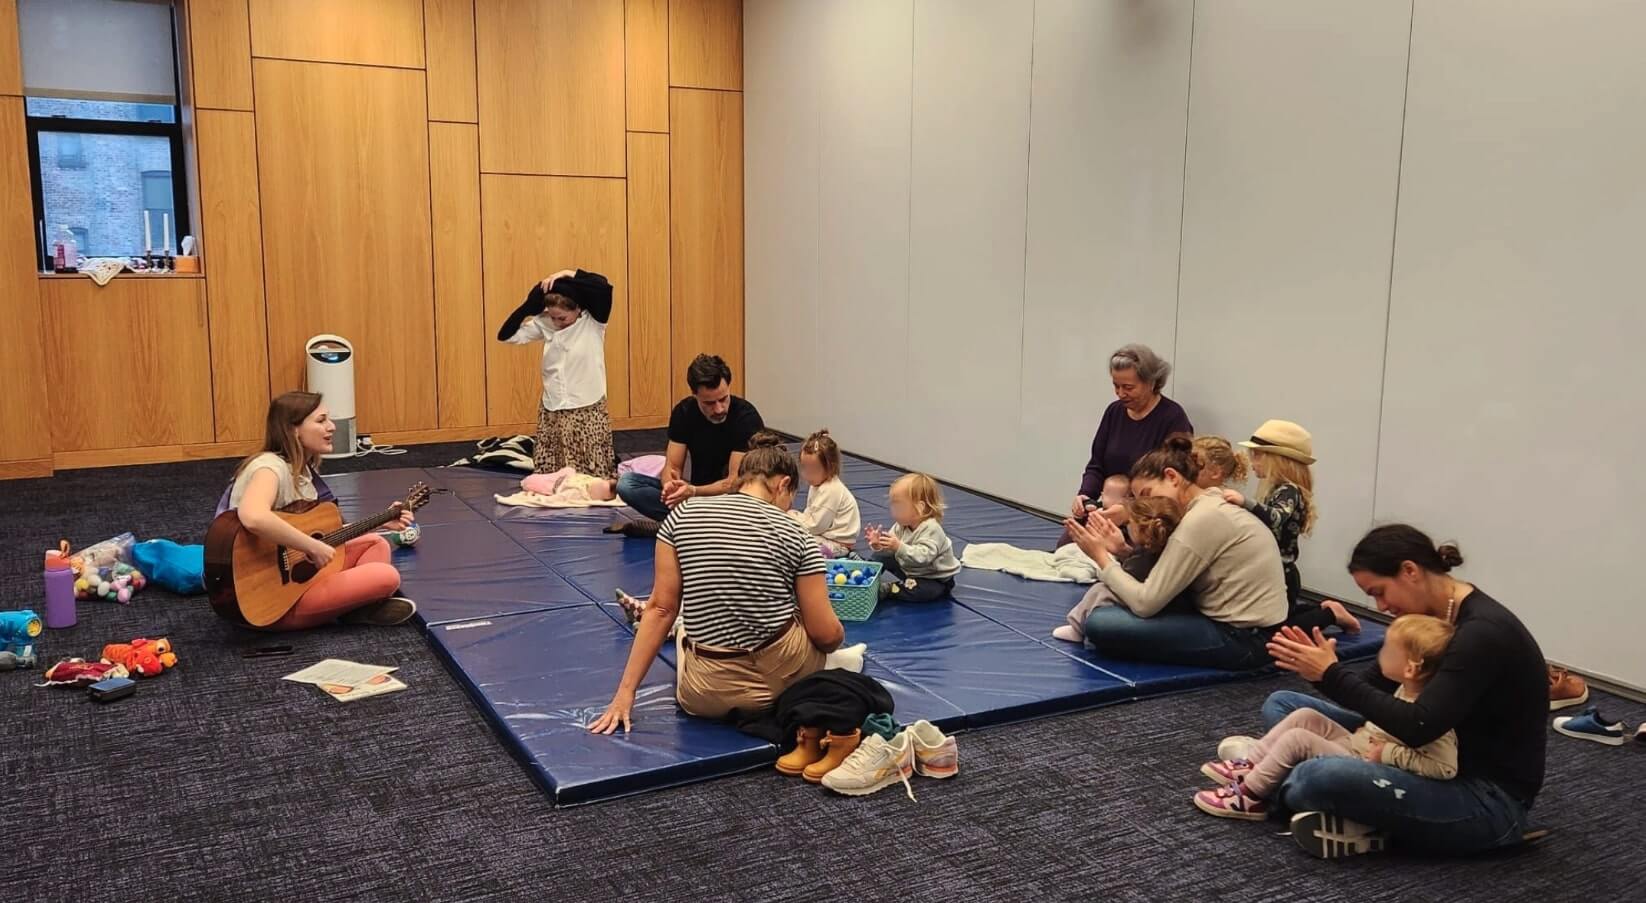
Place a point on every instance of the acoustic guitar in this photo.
(253, 581)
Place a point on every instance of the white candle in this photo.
(165, 232)
(148, 238)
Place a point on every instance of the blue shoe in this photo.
(1589, 725)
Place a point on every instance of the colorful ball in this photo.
(839, 579)
(124, 595)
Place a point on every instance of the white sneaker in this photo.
(1235, 749)
(1327, 836)
(849, 658)
(876, 764)
(935, 754)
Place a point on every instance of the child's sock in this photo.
(849, 658)
(1068, 634)
(632, 608)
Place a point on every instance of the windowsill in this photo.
(126, 276)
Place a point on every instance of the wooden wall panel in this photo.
(706, 44)
(450, 36)
(231, 241)
(646, 64)
(24, 433)
(532, 226)
(151, 351)
(371, 32)
(551, 86)
(652, 379)
(459, 325)
(219, 36)
(706, 226)
(344, 176)
(11, 52)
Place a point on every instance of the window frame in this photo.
(173, 131)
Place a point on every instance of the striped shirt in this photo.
(739, 559)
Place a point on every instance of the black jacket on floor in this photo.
(835, 700)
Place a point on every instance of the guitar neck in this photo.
(360, 527)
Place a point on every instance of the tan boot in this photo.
(808, 748)
(1566, 689)
(840, 746)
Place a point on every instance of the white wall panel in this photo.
(781, 59)
(863, 225)
(1110, 90)
(1512, 414)
(958, 373)
(1288, 221)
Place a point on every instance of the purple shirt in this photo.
(1120, 440)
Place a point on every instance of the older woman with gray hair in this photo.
(1136, 423)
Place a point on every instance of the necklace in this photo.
(1451, 603)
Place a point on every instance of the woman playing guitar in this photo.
(298, 431)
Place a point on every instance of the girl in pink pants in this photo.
(298, 431)
(1411, 654)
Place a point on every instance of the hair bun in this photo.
(822, 432)
(1179, 442)
(1450, 554)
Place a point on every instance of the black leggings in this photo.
(924, 589)
(1301, 614)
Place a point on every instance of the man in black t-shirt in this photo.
(712, 428)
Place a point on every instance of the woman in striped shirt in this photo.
(747, 581)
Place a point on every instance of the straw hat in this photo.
(1283, 438)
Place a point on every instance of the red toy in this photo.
(143, 657)
(75, 672)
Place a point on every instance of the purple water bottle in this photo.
(59, 578)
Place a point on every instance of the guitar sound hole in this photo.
(303, 571)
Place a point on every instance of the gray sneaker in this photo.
(876, 764)
(387, 613)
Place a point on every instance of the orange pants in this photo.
(366, 577)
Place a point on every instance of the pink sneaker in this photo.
(1227, 771)
(1232, 801)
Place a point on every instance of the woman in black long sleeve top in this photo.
(1492, 688)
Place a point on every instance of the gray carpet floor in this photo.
(222, 782)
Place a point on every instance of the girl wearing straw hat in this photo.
(1281, 454)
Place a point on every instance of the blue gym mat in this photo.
(518, 602)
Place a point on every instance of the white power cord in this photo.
(363, 446)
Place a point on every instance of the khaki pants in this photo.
(712, 687)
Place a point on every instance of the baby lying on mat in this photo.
(565, 488)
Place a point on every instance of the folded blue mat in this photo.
(472, 569)
(542, 678)
(368, 492)
(599, 566)
(991, 674)
(1034, 608)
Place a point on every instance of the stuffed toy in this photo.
(143, 657)
(76, 672)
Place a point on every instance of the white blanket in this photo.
(525, 498)
(1067, 565)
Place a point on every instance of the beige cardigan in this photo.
(1223, 553)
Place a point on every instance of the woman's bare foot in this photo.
(1348, 622)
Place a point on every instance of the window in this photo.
(100, 79)
(70, 155)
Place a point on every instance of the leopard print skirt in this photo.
(580, 438)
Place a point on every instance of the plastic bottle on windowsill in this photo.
(67, 256)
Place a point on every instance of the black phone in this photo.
(265, 651)
(111, 689)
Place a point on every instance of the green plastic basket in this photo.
(853, 603)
